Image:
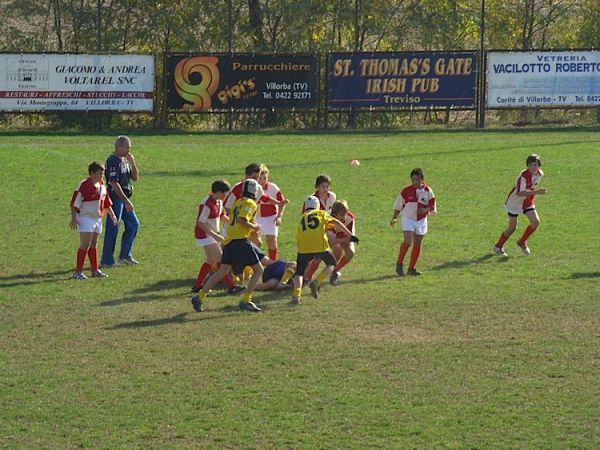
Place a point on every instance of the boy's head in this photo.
(263, 178)
(250, 188)
(252, 171)
(96, 171)
(339, 209)
(534, 162)
(311, 202)
(323, 183)
(220, 188)
(417, 177)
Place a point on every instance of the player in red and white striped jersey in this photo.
(269, 214)
(206, 231)
(416, 201)
(342, 247)
(89, 202)
(521, 200)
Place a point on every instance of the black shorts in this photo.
(240, 253)
(304, 259)
(525, 211)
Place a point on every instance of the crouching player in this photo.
(207, 235)
(276, 276)
(521, 199)
(238, 250)
(88, 204)
(416, 201)
(342, 247)
(311, 238)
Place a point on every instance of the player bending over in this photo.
(342, 247)
(210, 212)
(238, 250)
(311, 238)
(88, 204)
(416, 201)
(521, 199)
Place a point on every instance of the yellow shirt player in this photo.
(238, 250)
(312, 241)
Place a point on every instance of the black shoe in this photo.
(236, 289)
(195, 290)
(249, 306)
(400, 269)
(414, 272)
(314, 289)
(197, 303)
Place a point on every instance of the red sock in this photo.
(402, 253)
(205, 270)
(341, 263)
(273, 254)
(502, 240)
(81, 254)
(528, 232)
(93, 255)
(414, 256)
(311, 269)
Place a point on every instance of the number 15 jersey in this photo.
(311, 234)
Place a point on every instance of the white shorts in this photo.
(89, 224)
(267, 226)
(514, 211)
(417, 226)
(205, 242)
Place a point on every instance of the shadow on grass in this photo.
(176, 319)
(459, 264)
(578, 275)
(163, 285)
(369, 280)
(24, 279)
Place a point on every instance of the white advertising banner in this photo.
(555, 79)
(60, 82)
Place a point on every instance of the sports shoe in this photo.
(128, 261)
(314, 288)
(195, 290)
(99, 274)
(295, 300)
(197, 303)
(236, 289)
(79, 276)
(109, 266)
(249, 306)
(334, 279)
(414, 272)
(499, 251)
(400, 269)
(524, 247)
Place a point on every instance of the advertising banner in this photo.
(202, 82)
(543, 78)
(63, 82)
(402, 79)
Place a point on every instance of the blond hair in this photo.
(339, 207)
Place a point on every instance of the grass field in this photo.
(479, 352)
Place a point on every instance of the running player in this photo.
(88, 204)
(238, 250)
(521, 199)
(269, 214)
(416, 201)
(207, 235)
(311, 238)
(342, 247)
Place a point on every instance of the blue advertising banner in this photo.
(402, 79)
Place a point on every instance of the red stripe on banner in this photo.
(77, 94)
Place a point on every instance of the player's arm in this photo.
(112, 215)
(73, 224)
(117, 189)
(398, 207)
(339, 226)
(281, 208)
(532, 192)
(247, 224)
(133, 165)
(209, 231)
(268, 199)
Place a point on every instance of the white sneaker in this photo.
(99, 274)
(79, 276)
(499, 251)
(524, 247)
(334, 279)
(129, 261)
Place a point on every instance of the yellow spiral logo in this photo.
(197, 94)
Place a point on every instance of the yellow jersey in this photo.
(311, 234)
(244, 208)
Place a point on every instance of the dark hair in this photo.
(220, 186)
(534, 158)
(322, 179)
(94, 167)
(418, 172)
(252, 168)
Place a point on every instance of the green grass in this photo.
(479, 352)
